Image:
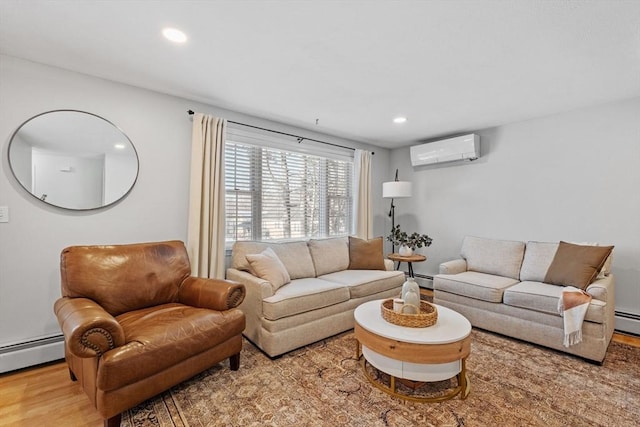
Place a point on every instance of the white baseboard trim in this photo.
(628, 322)
(31, 353)
(424, 281)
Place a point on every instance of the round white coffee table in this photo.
(434, 353)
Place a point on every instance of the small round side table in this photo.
(408, 259)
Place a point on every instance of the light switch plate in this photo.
(4, 213)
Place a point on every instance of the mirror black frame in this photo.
(116, 128)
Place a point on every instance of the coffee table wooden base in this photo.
(462, 389)
(407, 354)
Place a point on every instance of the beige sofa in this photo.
(499, 286)
(319, 300)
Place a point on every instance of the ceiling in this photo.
(450, 67)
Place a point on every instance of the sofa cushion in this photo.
(294, 255)
(486, 287)
(544, 297)
(500, 257)
(302, 295)
(329, 255)
(537, 259)
(362, 283)
(576, 265)
(268, 266)
(366, 254)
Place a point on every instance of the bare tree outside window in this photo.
(277, 194)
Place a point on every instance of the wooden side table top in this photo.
(410, 258)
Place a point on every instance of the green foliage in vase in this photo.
(413, 240)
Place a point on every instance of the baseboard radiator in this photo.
(424, 280)
(30, 353)
(628, 322)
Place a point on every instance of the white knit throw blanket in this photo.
(573, 305)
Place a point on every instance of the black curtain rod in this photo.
(299, 138)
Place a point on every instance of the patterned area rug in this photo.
(512, 384)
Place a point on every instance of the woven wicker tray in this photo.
(428, 315)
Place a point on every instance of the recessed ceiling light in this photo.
(399, 120)
(174, 35)
(120, 146)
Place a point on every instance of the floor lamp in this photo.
(395, 190)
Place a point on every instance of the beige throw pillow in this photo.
(576, 265)
(268, 266)
(366, 254)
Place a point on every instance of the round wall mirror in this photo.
(73, 159)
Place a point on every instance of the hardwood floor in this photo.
(45, 396)
(632, 340)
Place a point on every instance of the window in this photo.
(272, 192)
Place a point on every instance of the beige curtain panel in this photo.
(363, 218)
(206, 227)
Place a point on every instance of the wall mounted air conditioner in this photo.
(465, 147)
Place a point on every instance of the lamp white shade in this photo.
(396, 189)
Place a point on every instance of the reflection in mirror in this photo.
(73, 159)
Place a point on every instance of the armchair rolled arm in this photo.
(453, 267)
(88, 329)
(214, 294)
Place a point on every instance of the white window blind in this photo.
(273, 192)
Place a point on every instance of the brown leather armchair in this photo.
(136, 322)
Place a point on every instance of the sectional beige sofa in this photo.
(500, 286)
(321, 296)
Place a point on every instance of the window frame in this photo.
(260, 140)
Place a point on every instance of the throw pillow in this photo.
(606, 267)
(366, 254)
(268, 266)
(576, 265)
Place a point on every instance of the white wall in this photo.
(119, 172)
(22, 160)
(75, 182)
(572, 176)
(156, 208)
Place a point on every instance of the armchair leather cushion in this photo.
(123, 278)
(162, 336)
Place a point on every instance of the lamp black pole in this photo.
(392, 214)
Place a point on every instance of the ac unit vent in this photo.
(465, 147)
